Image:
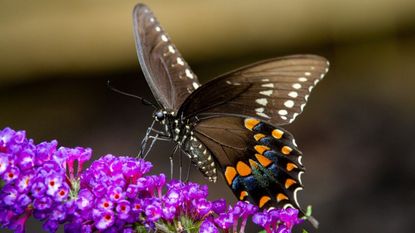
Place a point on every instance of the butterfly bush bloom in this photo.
(114, 194)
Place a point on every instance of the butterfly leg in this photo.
(189, 165)
(157, 137)
(145, 139)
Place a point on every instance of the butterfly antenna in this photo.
(143, 101)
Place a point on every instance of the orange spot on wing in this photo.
(243, 169)
(243, 195)
(253, 163)
(263, 201)
(291, 166)
(286, 150)
(251, 123)
(260, 148)
(281, 197)
(276, 133)
(264, 161)
(258, 136)
(289, 182)
(230, 174)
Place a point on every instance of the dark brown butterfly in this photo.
(231, 124)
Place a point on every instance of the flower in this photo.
(208, 227)
(114, 194)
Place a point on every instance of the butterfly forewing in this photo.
(169, 76)
(274, 90)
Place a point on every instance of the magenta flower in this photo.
(114, 194)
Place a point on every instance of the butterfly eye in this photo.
(159, 116)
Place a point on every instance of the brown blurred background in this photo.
(356, 132)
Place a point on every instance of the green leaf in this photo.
(263, 231)
(189, 225)
(308, 212)
(161, 227)
(305, 231)
(140, 229)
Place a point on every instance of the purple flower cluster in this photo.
(113, 195)
(277, 220)
(32, 181)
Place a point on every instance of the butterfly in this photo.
(232, 124)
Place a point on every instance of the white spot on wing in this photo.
(284, 117)
(171, 49)
(268, 85)
(310, 88)
(299, 160)
(295, 195)
(158, 28)
(282, 112)
(302, 79)
(296, 86)
(302, 107)
(294, 143)
(307, 73)
(265, 80)
(262, 101)
(259, 109)
(189, 74)
(180, 61)
(294, 116)
(164, 38)
(288, 205)
(316, 81)
(152, 19)
(232, 83)
(299, 177)
(289, 103)
(195, 85)
(293, 94)
(262, 114)
(268, 92)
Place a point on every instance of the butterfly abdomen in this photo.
(201, 157)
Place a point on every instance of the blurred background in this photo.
(356, 132)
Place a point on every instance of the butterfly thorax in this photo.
(174, 127)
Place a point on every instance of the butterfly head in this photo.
(163, 116)
(160, 115)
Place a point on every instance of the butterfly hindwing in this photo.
(260, 162)
(275, 90)
(169, 76)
